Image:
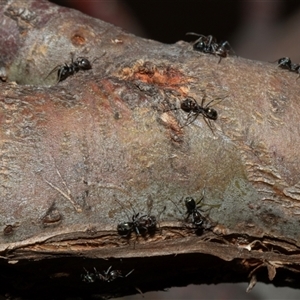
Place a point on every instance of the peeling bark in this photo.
(80, 156)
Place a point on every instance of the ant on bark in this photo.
(194, 109)
(209, 44)
(286, 63)
(141, 225)
(193, 210)
(194, 214)
(66, 70)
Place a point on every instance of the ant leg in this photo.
(97, 274)
(207, 121)
(53, 70)
(72, 57)
(59, 75)
(95, 59)
(158, 218)
(136, 229)
(210, 40)
(199, 201)
(229, 48)
(149, 205)
(108, 270)
(124, 208)
(128, 273)
(165, 207)
(201, 37)
(88, 277)
(203, 100)
(188, 216)
(189, 115)
(104, 277)
(214, 100)
(178, 208)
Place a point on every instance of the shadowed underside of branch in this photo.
(81, 156)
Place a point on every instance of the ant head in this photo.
(284, 62)
(84, 63)
(124, 229)
(200, 46)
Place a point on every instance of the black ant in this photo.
(107, 276)
(141, 225)
(194, 214)
(191, 106)
(209, 44)
(66, 70)
(286, 63)
(111, 275)
(193, 210)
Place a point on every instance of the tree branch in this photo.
(80, 156)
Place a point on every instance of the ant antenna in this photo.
(177, 206)
(124, 208)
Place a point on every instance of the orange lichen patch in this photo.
(150, 73)
(109, 99)
(77, 39)
(80, 35)
(108, 86)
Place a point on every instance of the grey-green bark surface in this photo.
(80, 156)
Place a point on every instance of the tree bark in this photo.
(80, 156)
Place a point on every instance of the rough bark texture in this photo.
(78, 156)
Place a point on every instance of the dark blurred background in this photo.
(256, 29)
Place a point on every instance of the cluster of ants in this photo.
(208, 44)
(147, 224)
(142, 225)
(107, 276)
(205, 44)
